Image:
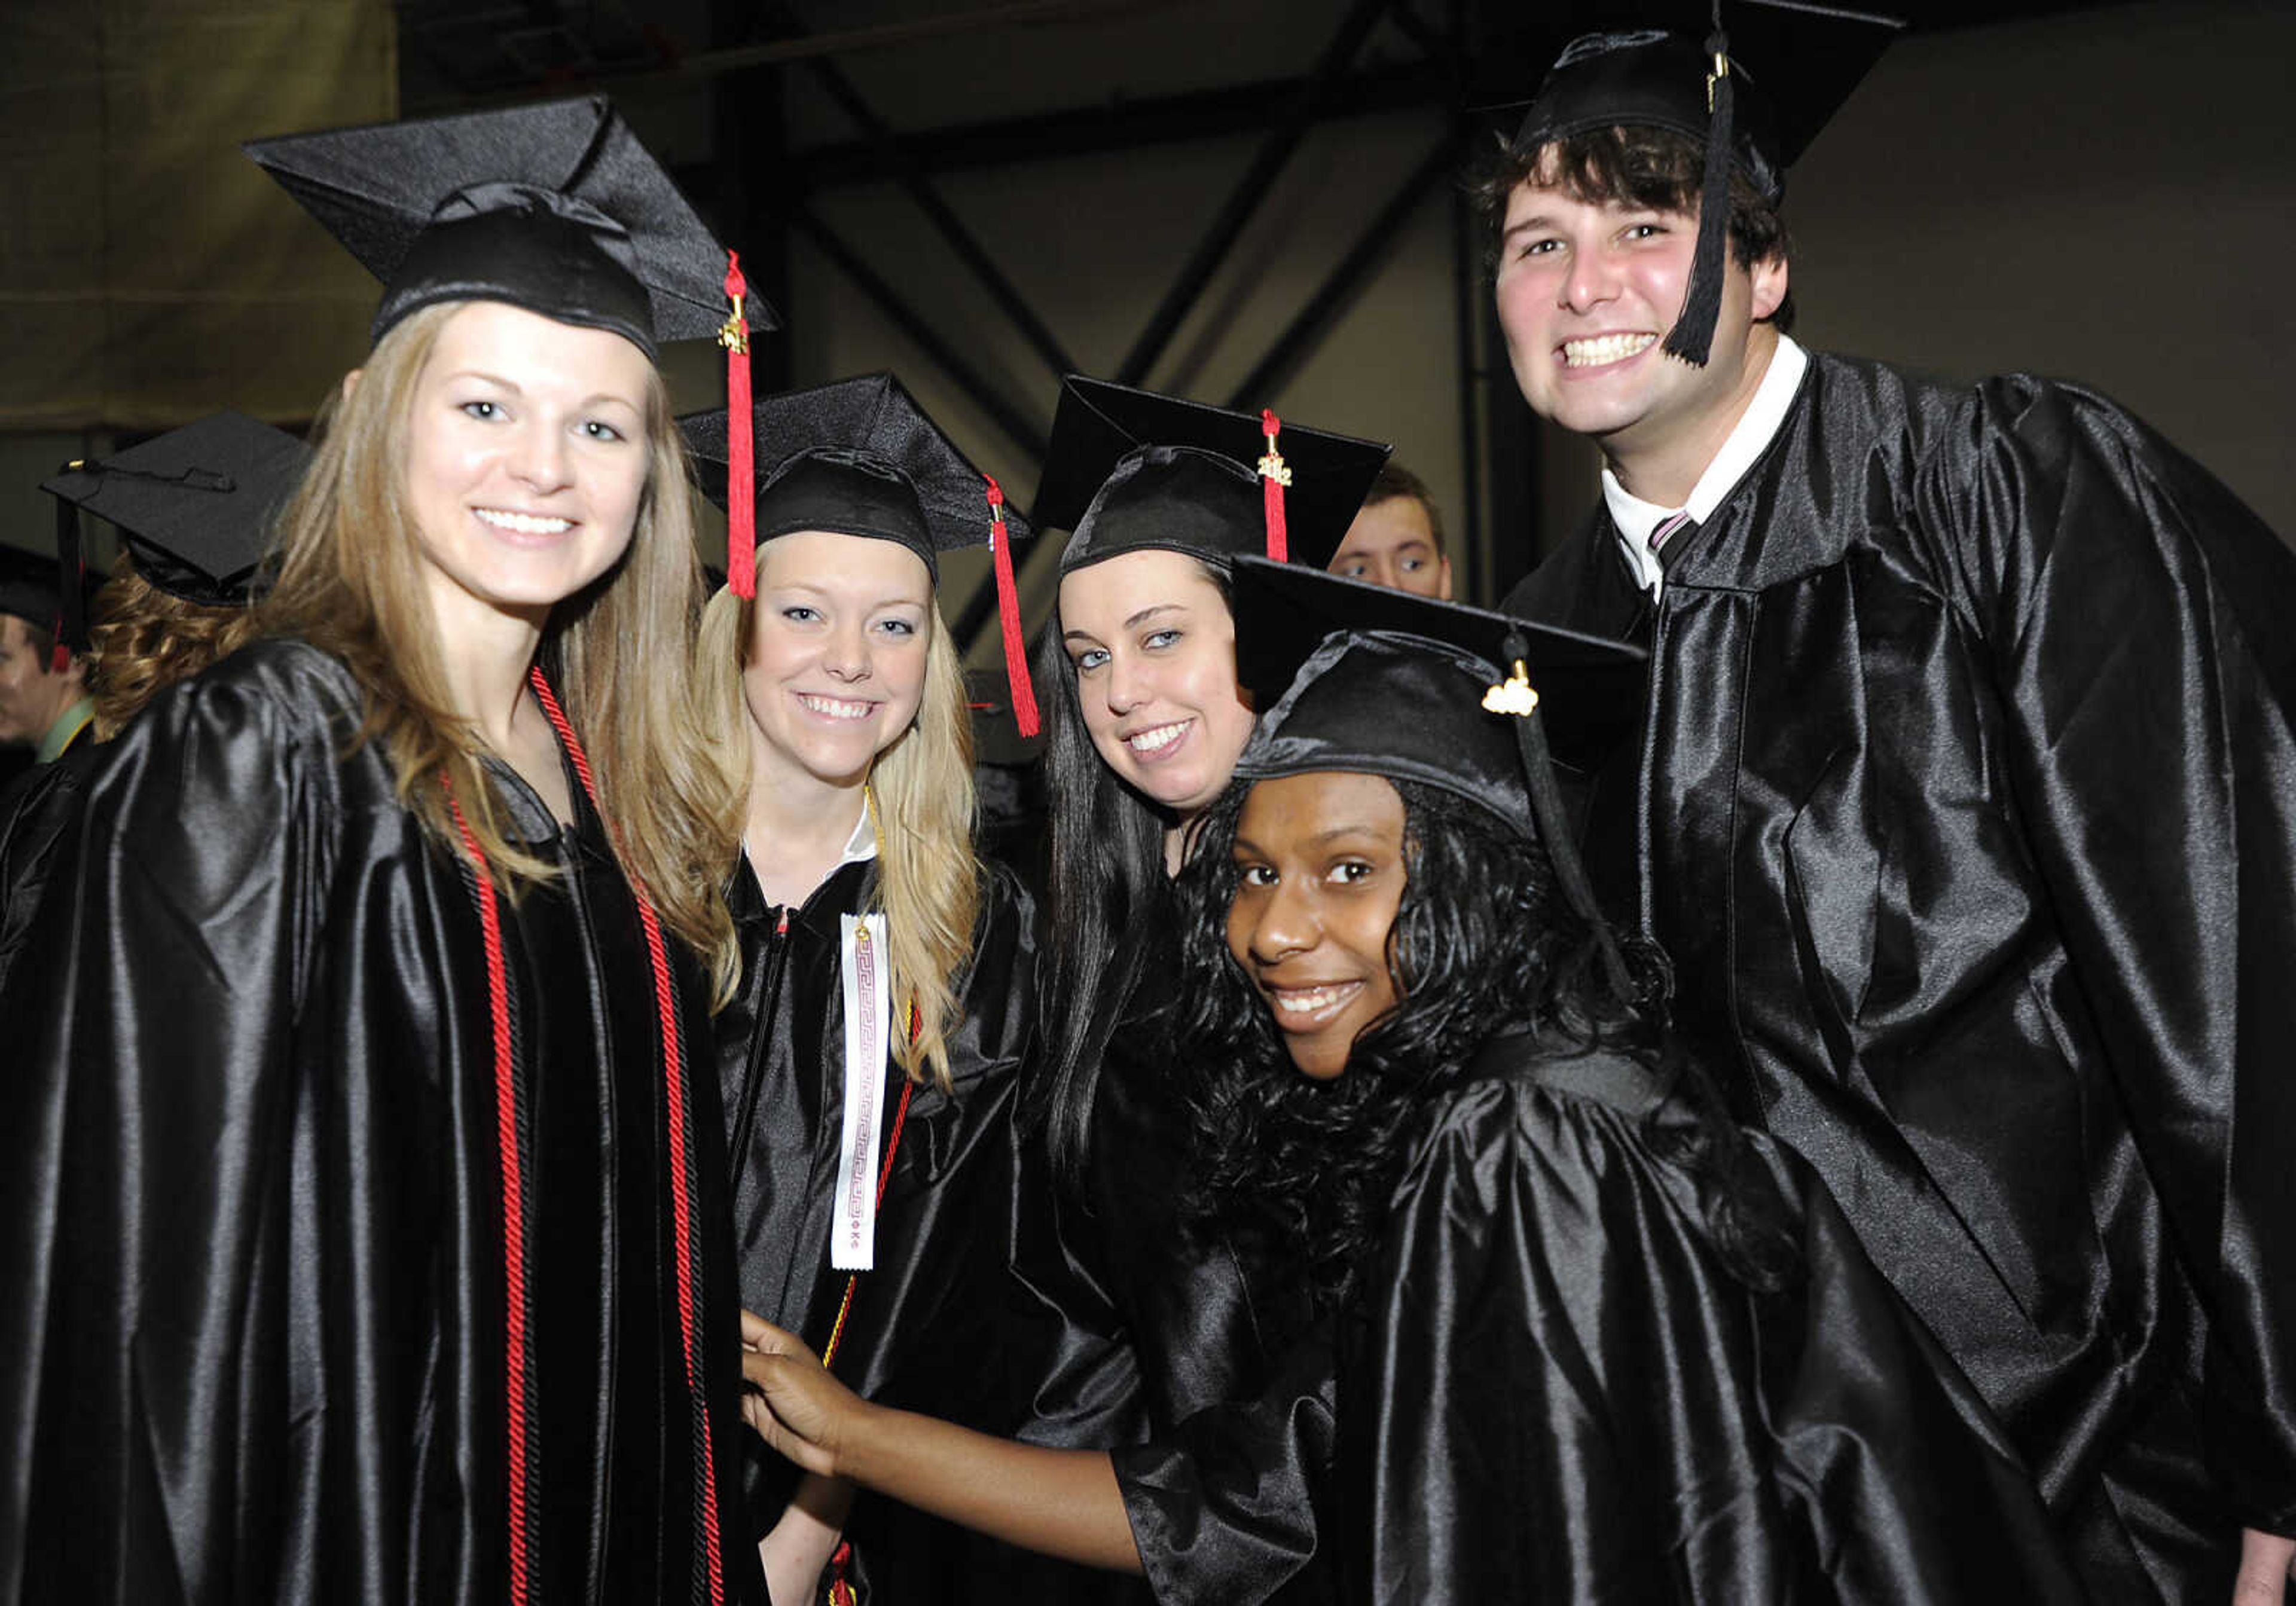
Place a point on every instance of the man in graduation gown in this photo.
(1963, 806)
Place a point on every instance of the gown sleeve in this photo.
(1562, 1394)
(34, 809)
(148, 1404)
(2138, 617)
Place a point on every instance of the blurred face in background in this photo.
(1392, 543)
(32, 695)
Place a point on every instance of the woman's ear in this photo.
(350, 385)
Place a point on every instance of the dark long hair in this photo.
(1482, 941)
(1108, 905)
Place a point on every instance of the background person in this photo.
(194, 509)
(1396, 539)
(44, 704)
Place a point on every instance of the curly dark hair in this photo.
(1659, 169)
(1482, 940)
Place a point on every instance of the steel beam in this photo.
(920, 329)
(1310, 324)
(896, 160)
(1126, 125)
(1282, 140)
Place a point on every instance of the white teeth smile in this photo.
(834, 707)
(1157, 738)
(1314, 1000)
(1599, 349)
(522, 524)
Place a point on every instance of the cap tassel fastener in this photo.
(1274, 474)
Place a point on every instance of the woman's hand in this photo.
(791, 1401)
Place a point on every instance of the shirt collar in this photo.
(861, 846)
(1764, 415)
(67, 726)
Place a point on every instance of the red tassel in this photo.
(1274, 475)
(1008, 614)
(741, 464)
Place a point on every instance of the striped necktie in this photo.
(1668, 526)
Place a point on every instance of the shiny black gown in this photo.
(1142, 1317)
(928, 1328)
(251, 1207)
(1966, 810)
(34, 809)
(1552, 1388)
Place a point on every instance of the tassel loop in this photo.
(741, 462)
(1274, 474)
(1008, 614)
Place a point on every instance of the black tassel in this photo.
(1554, 830)
(71, 614)
(1692, 338)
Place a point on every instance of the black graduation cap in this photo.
(859, 458)
(194, 506)
(555, 207)
(1358, 677)
(28, 592)
(1767, 76)
(1130, 470)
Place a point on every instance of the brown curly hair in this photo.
(143, 639)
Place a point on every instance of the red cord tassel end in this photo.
(741, 462)
(1008, 615)
(1274, 475)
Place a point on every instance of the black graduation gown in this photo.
(34, 809)
(1967, 809)
(251, 1217)
(926, 1332)
(1147, 1317)
(1553, 1390)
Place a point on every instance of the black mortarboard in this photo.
(1131, 469)
(555, 207)
(28, 592)
(1790, 68)
(859, 458)
(1358, 677)
(194, 506)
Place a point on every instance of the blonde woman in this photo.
(868, 1060)
(365, 1215)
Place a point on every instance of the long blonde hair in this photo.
(349, 583)
(929, 875)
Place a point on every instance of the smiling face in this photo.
(526, 459)
(837, 654)
(1391, 543)
(1153, 645)
(1320, 875)
(1587, 292)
